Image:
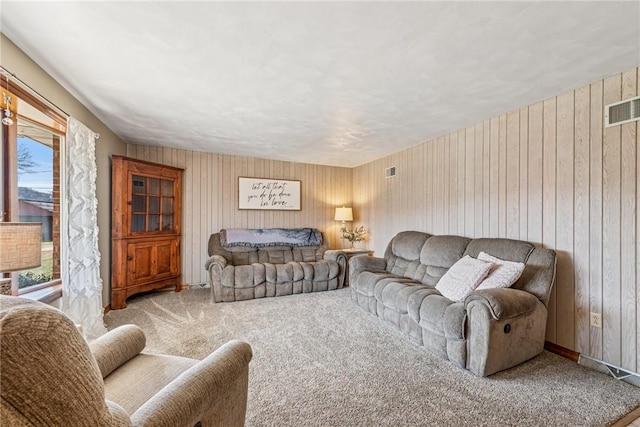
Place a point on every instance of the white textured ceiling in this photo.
(334, 83)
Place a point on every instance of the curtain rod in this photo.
(8, 74)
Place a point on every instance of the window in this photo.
(35, 160)
(30, 181)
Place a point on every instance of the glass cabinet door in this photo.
(152, 203)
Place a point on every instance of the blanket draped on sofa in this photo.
(266, 237)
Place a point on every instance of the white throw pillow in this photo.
(503, 273)
(463, 277)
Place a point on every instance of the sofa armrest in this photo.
(215, 388)
(341, 258)
(361, 263)
(334, 254)
(364, 262)
(117, 347)
(215, 260)
(503, 303)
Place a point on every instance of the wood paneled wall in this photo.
(549, 173)
(211, 198)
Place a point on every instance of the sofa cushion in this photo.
(505, 249)
(275, 256)
(308, 254)
(443, 251)
(463, 277)
(367, 281)
(432, 312)
(403, 268)
(321, 270)
(538, 274)
(244, 276)
(408, 244)
(403, 253)
(245, 257)
(395, 294)
(503, 273)
(290, 272)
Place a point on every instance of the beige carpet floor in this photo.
(319, 360)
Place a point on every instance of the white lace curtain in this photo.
(80, 257)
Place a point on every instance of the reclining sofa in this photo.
(255, 263)
(486, 331)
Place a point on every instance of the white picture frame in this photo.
(268, 194)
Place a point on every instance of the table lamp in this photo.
(20, 245)
(344, 214)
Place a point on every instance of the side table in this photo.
(351, 253)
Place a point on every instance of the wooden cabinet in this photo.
(145, 232)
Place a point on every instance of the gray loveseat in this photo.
(256, 263)
(489, 330)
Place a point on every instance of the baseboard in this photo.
(632, 378)
(611, 370)
(627, 419)
(562, 351)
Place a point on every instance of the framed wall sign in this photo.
(273, 194)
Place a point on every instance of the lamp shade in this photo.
(20, 245)
(344, 214)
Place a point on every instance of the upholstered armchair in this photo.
(50, 376)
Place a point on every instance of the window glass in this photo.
(154, 186)
(139, 204)
(167, 205)
(35, 197)
(30, 172)
(137, 222)
(138, 184)
(167, 222)
(154, 223)
(167, 188)
(154, 205)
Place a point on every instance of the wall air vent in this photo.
(622, 112)
(390, 172)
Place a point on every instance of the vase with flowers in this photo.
(354, 235)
